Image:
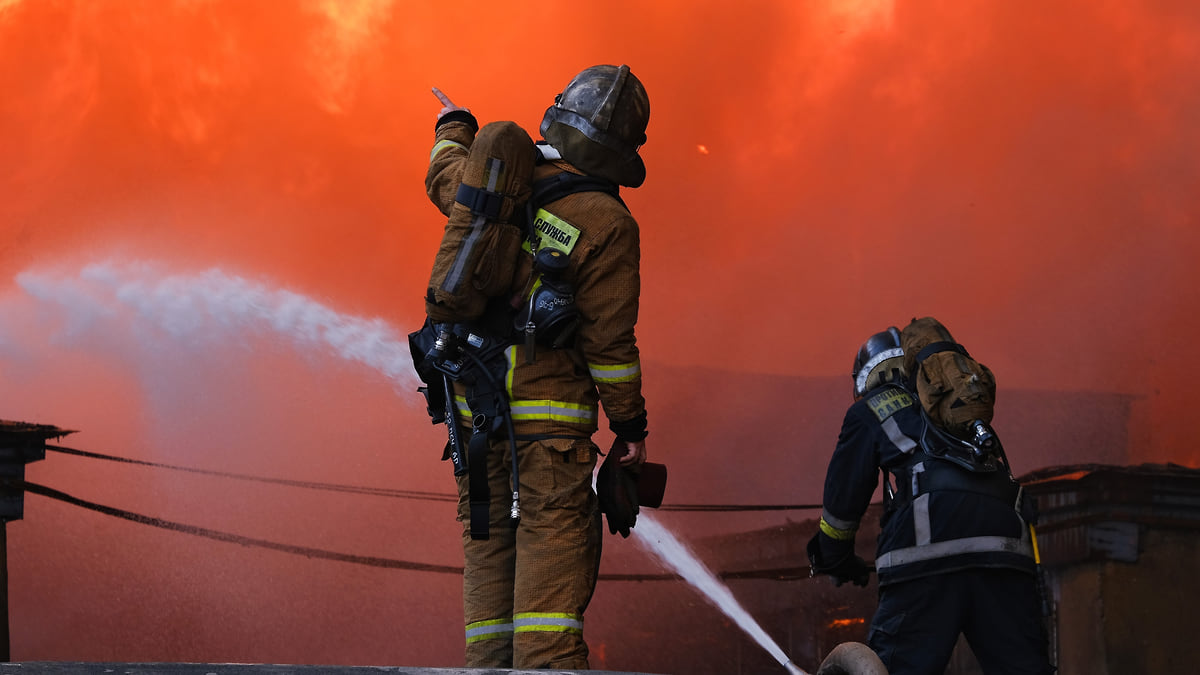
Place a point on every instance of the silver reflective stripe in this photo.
(548, 152)
(622, 372)
(454, 278)
(917, 470)
(495, 171)
(551, 622)
(943, 549)
(861, 382)
(897, 437)
(921, 520)
(489, 630)
(838, 522)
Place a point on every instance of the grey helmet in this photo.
(879, 360)
(598, 123)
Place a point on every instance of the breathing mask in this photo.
(550, 318)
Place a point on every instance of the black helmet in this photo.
(880, 359)
(598, 123)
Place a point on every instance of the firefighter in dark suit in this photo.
(954, 554)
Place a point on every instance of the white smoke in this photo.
(111, 301)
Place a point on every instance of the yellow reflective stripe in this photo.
(442, 145)
(545, 409)
(547, 622)
(489, 630)
(838, 533)
(558, 411)
(511, 353)
(464, 410)
(620, 372)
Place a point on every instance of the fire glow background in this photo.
(171, 172)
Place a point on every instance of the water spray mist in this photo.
(673, 553)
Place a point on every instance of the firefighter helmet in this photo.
(598, 123)
(879, 360)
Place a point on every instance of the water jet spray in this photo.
(673, 553)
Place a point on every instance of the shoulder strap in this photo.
(560, 185)
(935, 347)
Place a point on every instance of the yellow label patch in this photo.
(888, 402)
(550, 230)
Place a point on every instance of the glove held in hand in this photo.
(616, 487)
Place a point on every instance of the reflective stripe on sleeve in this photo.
(835, 528)
(493, 629)
(620, 372)
(547, 622)
(442, 145)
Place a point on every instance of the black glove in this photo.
(853, 569)
(617, 489)
(849, 567)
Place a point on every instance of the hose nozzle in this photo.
(793, 669)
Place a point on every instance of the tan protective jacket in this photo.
(559, 393)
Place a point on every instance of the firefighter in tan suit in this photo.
(525, 589)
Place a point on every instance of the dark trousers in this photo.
(997, 610)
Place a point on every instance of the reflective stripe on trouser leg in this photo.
(558, 554)
(489, 567)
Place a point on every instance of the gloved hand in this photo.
(617, 489)
(849, 567)
(853, 569)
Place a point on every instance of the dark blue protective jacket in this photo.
(938, 517)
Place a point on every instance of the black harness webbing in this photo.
(935, 347)
(479, 493)
(481, 202)
(489, 413)
(554, 188)
(939, 475)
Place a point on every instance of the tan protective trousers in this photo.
(525, 589)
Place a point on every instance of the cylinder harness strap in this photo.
(943, 346)
(490, 414)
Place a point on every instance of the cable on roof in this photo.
(780, 574)
(401, 494)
